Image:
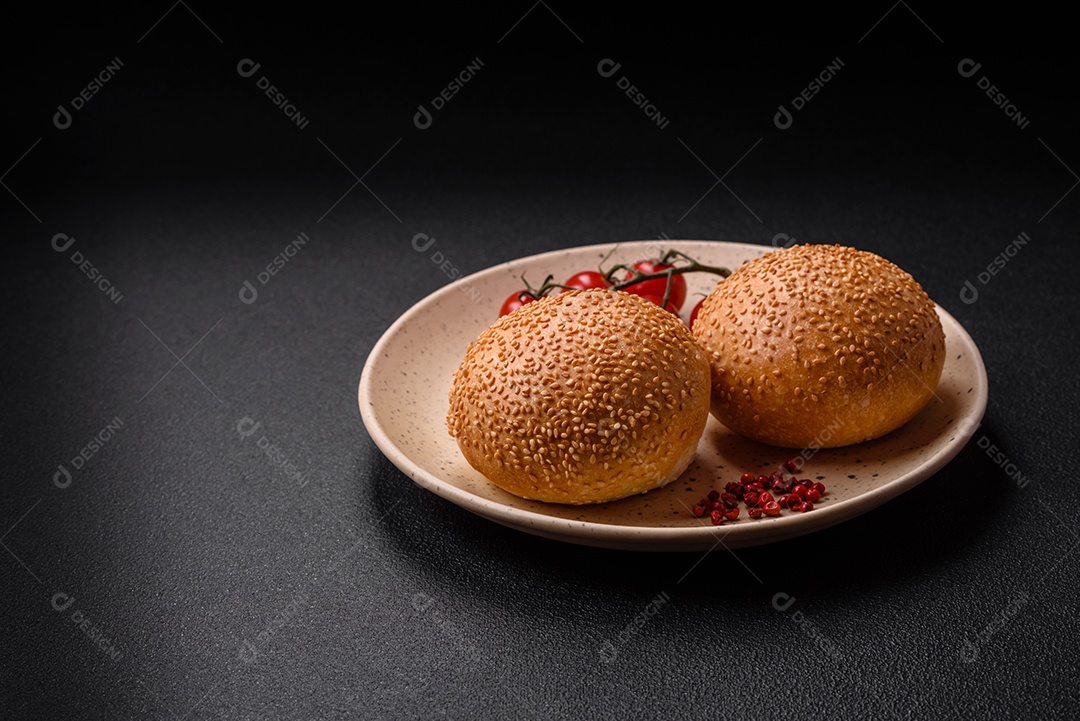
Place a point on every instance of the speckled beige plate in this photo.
(406, 380)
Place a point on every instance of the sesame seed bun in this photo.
(581, 397)
(820, 346)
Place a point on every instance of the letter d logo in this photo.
(968, 67)
(607, 67)
(247, 67)
(782, 601)
(421, 601)
(421, 242)
(61, 601)
(62, 118)
(247, 427)
(62, 477)
(969, 293)
(248, 294)
(248, 652)
(782, 119)
(422, 119)
(783, 240)
(64, 239)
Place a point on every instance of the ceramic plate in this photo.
(406, 381)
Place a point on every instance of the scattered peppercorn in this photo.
(797, 495)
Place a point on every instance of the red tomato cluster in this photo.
(585, 280)
(654, 289)
(515, 301)
(651, 290)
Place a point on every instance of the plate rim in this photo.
(629, 536)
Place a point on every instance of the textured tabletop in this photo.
(211, 220)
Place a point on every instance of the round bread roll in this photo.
(820, 346)
(581, 397)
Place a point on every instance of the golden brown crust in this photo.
(820, 346)
(581, 397)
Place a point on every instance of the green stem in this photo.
(537, 293)
(638, 276)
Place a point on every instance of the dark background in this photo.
(228, 590)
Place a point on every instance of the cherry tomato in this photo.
(586, 280)
(659, 285)
(658, 300)
(515, 301)
(695, 311)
